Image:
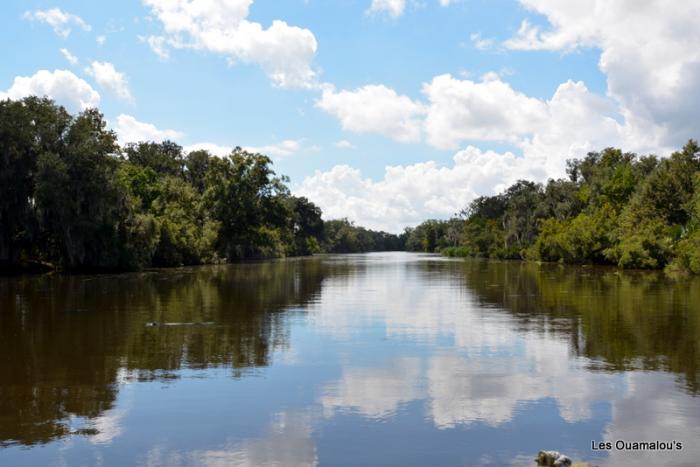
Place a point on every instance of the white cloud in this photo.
(284, 52)
(485, 366)
(109, 78)
(60, 85)
(289, 441)
(109, 426)
(392, 7)
(462, 110)
(344, 144)
(375, 109)
(397, 8)
(287, 147)
(130, 130)
(547, 132)
(464, 391)
(281, 149)
(216, 149)
(480, 42)
(374, 392)
(101, 39)
(649, 54)
(158, 45)
(59, 20)
(407, 195)
(642, 413)
(489, 110)
(72, 59)
(284, 148)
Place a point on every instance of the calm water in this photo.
(379, 359)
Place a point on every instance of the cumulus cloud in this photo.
(109, 426)
(458, 111)
(216, 149)
(409, 194)
(490, 110)
(546, 132)
(60, 85)
(130, 130)
(284, 148)
(59, 20)
(374, 392)
(284, 52)
(648, 53)
(289, 441)
(396, 8)
(375, 109)
(72, 59)
(109, 78)
(488, 365)
(392, 7)
(281, 149)
(480, 42)
(344, 144)
(158, 45)
(642, 411)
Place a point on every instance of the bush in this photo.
(649, 246)
(687, 258)
(457, 252)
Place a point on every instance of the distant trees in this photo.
(72, 197)
(343, 236)
(615, 208)
(305, 225)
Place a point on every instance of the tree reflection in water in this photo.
(66, 340)
(631, 320)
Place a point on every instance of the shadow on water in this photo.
(66, 340)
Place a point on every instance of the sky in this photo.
(387, 112)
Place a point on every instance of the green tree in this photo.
(246, 198)
(306, 226)
(520, 220)
(164, 158)
(28, 128)
(186, 234)
(80, 201)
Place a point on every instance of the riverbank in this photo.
(464, 252)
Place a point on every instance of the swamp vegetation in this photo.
(617, 208)
(72, 198)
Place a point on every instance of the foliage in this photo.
(615, 208)
(343, 236)
(70, 196)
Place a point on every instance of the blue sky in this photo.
(384, 111)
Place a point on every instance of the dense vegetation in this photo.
(615, 208)
(72, 198)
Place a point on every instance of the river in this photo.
(372, 359)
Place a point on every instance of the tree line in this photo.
(614, 208)
(72, 198)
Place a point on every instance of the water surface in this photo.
(377, 359)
